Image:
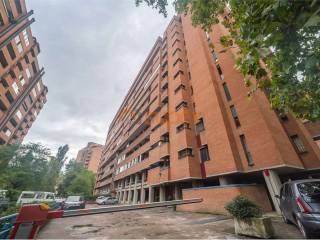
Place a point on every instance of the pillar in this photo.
(162, 193)
(125, 195)
(274, 185)
(135, 190)
(120, 196)
(151, 194)
(176, 192)
(143, 194)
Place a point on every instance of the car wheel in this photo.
(303, 229)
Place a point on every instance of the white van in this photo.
(35, 197)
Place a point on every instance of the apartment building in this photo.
(186, 128)
(90, 156)
(22, 92)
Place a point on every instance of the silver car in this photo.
(107, 201)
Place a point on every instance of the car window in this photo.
(73, 199)
(310, 191)
(28, 195)
(50, 196)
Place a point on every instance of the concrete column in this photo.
(120, 196)
(130, 188)
(274, 185)
(135, 193)
(151, 194)
(124, 199)
(162, 193)
(176, 192)
(143, 194)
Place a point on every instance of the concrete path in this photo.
(157, 223)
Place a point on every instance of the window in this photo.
(200, 126)
(19, 66)
(177, 74)
(7, 132)
(214, 56)
(176, 62)
(35, 113)
(34, 92)
(204, 153)
(30, 99)
(21, 79)
(3, 106)
(246, 150)
(164, 138)
(177, 40)
(181, 105)
(19, 44)
(235, 116)
(174, 53)
(4, 83)
(9, 97)
(12, 74)
(8, 9)
(26, 37)
(1, 20)
(25, 106)
(13, 122)
(26, 58)
(185, 152)
(18, 6)
(38, 86)
(226, 92)
(34, 68)
(181, 86)
(19, 114)
(220, 72)
(28, 73)
(11, 51)
(182, 126)
(298, 144)
(3, 60)
(15, 88)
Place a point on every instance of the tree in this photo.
(76, 180)
(6, 154)
(55, 165)
(277, 36)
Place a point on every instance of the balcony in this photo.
(164, 149)
(158, 175)
(164, 110)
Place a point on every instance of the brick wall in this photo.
(214, 198)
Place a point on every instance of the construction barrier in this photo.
(32, 217)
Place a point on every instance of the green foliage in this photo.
(10, 210)
(242, 208)
(29, 167)
(77, 180)
(284, 34)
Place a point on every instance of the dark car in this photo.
(300, 205)
(74, 202)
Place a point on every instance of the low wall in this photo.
(215, 198)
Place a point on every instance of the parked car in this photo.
(74, 202)
(4, 201)
(35, 197)
(100, 200)
(300, 205)
(106, 200)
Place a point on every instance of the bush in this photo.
(242, 208)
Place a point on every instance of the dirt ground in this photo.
(157, 223)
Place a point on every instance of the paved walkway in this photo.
(157, 223)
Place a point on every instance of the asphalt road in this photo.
(156, 223)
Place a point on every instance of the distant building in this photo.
(187, 129)
(90, 156)
(22, 92)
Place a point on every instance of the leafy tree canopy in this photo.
(277, 36)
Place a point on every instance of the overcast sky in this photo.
(91, 52)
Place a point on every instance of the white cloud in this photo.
(91, 51)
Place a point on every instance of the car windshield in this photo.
(310, 191)
(73, 199)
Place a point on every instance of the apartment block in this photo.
(90, 156)
(187, 128)
(22, 92)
